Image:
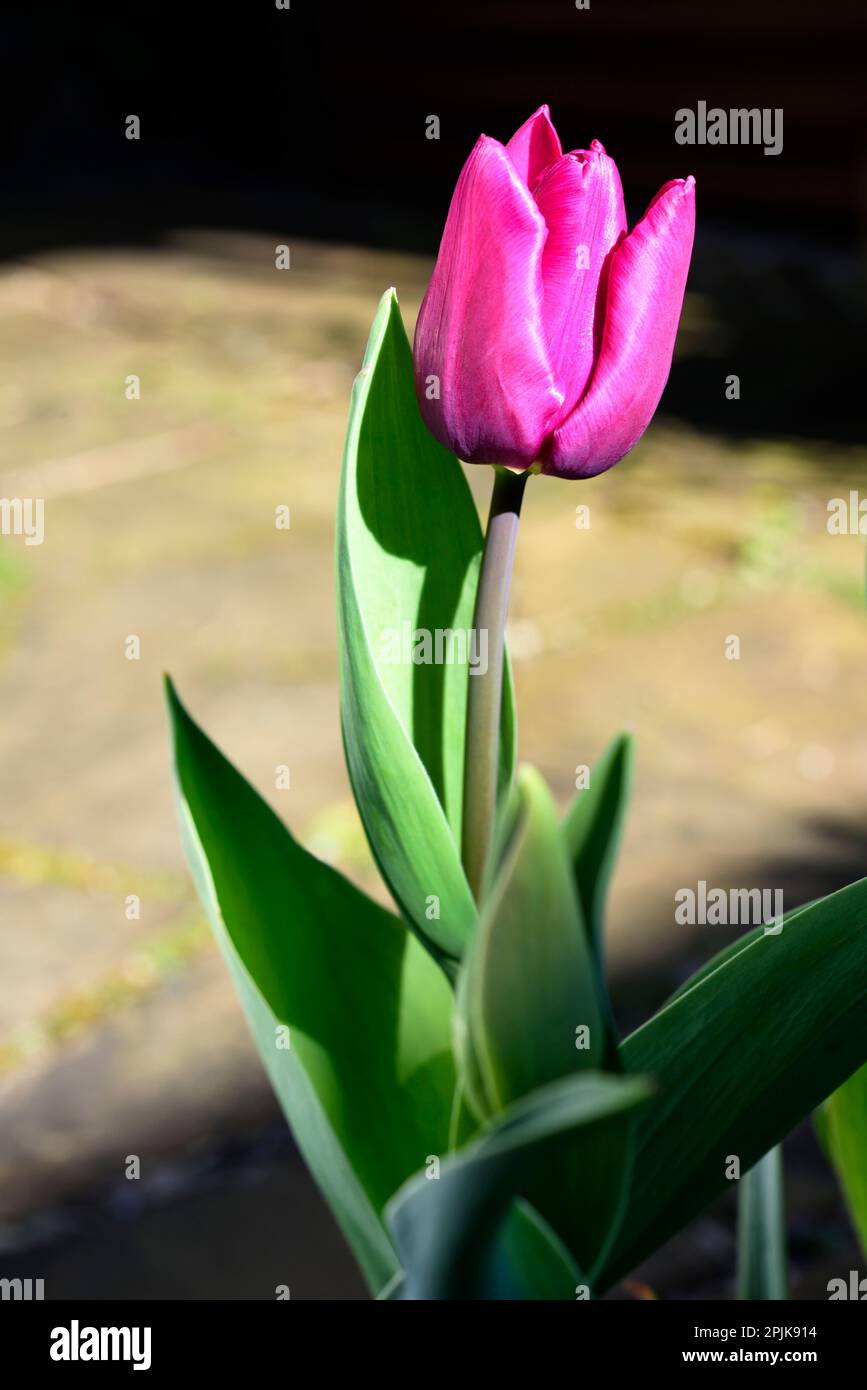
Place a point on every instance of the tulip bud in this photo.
(548, 327)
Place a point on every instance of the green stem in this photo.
(484, 698)
(762, 1230)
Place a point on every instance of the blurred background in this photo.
(155, 258)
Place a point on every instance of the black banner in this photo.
(160, 1339)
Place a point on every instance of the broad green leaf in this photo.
(527, 1008)
(762, 1230)
(734, 948)
(367, 1079)
(741, 1057)
(459, 1236)
(842, 1122)
(408, 553)
(520, 1258)
(592, 828)
(528, 986)
(527, 1260)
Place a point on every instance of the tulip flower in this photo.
(545, 338)
(543, 345)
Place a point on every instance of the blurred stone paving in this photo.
(121, 1035)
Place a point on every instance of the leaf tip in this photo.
(172, 698)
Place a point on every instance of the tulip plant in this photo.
(451, 1066)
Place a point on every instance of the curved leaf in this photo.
(459, 1236)
(733, 949)
(741, 1056)
(592, 828)
(843, 1126)
(528, 984)
(528, 1013)
(408, 553)
(367, 1079)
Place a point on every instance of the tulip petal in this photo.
(534, 146)
(646, 282)
(581, 200)
(479, 342)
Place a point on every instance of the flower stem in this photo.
(484, 697)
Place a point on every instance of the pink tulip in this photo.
(546, 333)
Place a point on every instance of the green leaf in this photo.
(741, 1057)
(842, 1123)
(459, 1236)
(408, 553)
(734, 948)
(520, 1258)
(527, 988)
(528, 983)
(368, 1078)
(592, 828)
(527, 1260)
(762, 1230)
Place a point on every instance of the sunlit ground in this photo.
(122, 1036)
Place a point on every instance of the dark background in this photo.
(310, 122)
(314, 118)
